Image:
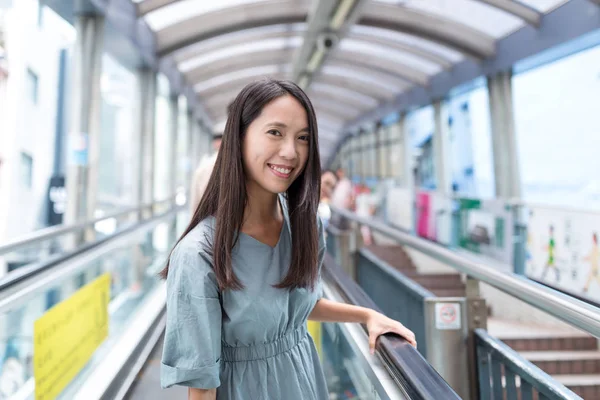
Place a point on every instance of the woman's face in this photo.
(275, 147)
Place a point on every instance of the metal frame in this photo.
(361, 87)
(148, 6)
(527, 41)
(344, 92)
(393, 68)
(440, 30)
(239, 37)
(334, 109)
(575, 312)
(211, 90)
(248, 60)
(519, 10)
(403, 47)
(58, 230)
(329, 96)
(500, 353)
(364, 73)
(212, 24)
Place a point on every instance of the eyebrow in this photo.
(282, 125)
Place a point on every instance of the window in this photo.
(27, 170)
(32, 86)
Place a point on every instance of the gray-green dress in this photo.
(251, 344)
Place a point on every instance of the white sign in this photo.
(447, 316)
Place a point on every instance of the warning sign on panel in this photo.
(67, 335)
(447, 316)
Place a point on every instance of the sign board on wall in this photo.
(399, 208)
(486, 227)
(67, 335)
(562, 250)
(434, 217)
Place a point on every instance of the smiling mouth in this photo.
(282, 172)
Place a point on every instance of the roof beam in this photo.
(147, 6)
(238, 38)
(519, 10)
(394, 68)
(361, 87)
(404, 47)
(250, 60)
(440, 30)
(208, 25)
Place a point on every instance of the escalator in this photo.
(126, 361)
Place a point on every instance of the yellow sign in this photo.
(67, 335)
(314, 328)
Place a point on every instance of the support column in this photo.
(82, 173)
(406, 175)
(173, 161)
(440, 149)
(506, 164)
(146, 137)
(192, 150)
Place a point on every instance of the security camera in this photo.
(325, 41)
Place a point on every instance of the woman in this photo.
(244, 276)
(327, 185)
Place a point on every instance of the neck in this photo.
(262, 206)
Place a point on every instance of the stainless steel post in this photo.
(446, 332)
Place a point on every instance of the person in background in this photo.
(343, 198)
(202, 174)
(328, 181)
(365, 208)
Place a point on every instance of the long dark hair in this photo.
(225, 197)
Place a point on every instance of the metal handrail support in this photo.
(58, 230)
(575, 312)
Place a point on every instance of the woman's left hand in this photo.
(378, 324)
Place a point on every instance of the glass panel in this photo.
(241, 50)
(237, 75)
(238, 37)
(556, 123)
(375, 51)
(133, 267)
(442, 51)
(33, 57)
(420, 128)
(383, 150)
(470, 141)
(369, 102)
(345, 72)
(344, 374)
(471, 13)
(182, 10)
(117, 179)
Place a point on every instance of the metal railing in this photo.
(503, 373)
(52, 232)
(404, 363)
(575, 312)
(494, 370)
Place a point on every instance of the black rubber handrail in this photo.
(29, 271)
(418, 378)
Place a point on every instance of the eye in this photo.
(304, 138)
(274, 132)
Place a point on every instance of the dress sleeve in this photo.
(322, 249)
(192, 343)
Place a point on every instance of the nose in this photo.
(288, 148)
